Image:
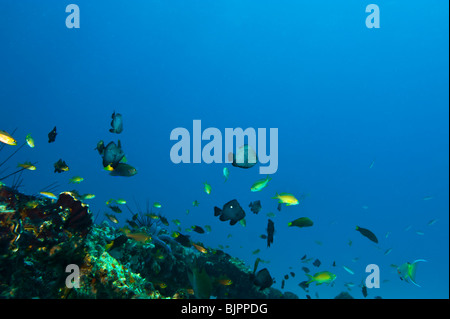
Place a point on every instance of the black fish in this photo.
(334, 263)
(308, 297)
(112, 154)
(115, 209)
(245, 158)
(123, 169)
(279, 207)
(367, 233)
(364, 291)
(100, 147)
(263, 236)
(183, 240)
(231, 211)
(305, 269)
(255, 206)
(61, 166)
(116, 123)
(292, 274)
(52, 135)
(286, 277)
(256, 264)
(198, 229)
(119, 241)
(304, 285)
(282, 284)
(270, 231)
(132, 223)
(316, 263)
(303, 258)
(263, 279)
(163, 220)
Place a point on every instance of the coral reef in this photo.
(40, 237)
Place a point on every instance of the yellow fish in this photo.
(286, 198)
(30, 141)
(321, 277)
(32, 204)
(48, 195)
(260, 184)
(139, 236)
(28, 166)
(6, 138)
(76, 180)
(200, 248)
(224, 281)
(108, 168)
(118, 201)
(157, 205)
(87, 196)
(207, 188)
(162, 285)
(112, 218)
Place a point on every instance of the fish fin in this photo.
(232, 222)
(217, 211)
(415, 261)
(412, 274)
(411, 280)
(276, 196)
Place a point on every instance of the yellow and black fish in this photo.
(61, 166)
(198, 229)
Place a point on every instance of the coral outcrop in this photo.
(40, 237)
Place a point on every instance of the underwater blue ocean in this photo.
(345, 107)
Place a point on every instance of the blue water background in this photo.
(340, 94)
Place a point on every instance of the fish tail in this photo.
(413, 269)
(311, 279)
(276, 195)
